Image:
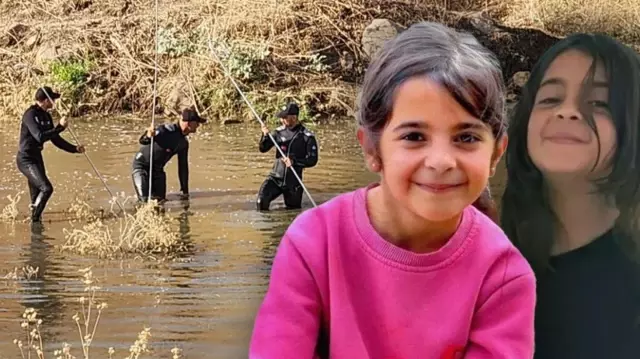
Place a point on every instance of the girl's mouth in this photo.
(440, 187)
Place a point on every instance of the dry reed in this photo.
(87, 323)
(146, 233)
(25, 273)
(620, 18)
(308, 50)
(286, 48)
(10, 211)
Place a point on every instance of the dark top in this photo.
(167, 142)
(36, 129)
(588, 305)
(299, 144)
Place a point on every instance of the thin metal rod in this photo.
(153, 110)
(224, 69)
(73, 134)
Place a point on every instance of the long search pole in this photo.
(153, 110)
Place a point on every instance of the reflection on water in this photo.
(204, 302)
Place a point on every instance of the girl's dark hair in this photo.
(456, 60)
(527, 216)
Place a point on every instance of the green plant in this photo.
(71, 73)
(71, 76)
(173, 43)
(316, 63)
(241, 60)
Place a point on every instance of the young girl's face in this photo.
(436, 157)
(559, 139)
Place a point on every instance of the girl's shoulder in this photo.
(493, 247)
(315, 227)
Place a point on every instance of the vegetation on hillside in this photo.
(101, 54)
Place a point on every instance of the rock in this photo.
(178, 98)
(32, 41)
(482, 23)
(46, 53)
(376, 34)
(517, 49)
(520, 78)
(13, 34)
(231, 121)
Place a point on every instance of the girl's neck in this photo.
(584, 216)
(403, 228)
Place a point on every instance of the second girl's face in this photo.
(436, 157)
(559, 139)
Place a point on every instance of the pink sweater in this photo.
(338, 287)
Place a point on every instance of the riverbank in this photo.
(101, 54)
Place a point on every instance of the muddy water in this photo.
(204, 304)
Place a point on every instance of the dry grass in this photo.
(87, 323)
(146, 233)
(26, 273)
(620, 18)
(278, 48)
(10, 212)
(308, 50)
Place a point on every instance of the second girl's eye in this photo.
(468, 138)
(549, 100)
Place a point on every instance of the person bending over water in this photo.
(572, 197)
(408, 267)
(168, 140)
(36, 129)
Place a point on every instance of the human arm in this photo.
(183, 169)
(288, 321)
(503, 326)
(40, 135)
(145, 139)
(265, 142)
(64, 145)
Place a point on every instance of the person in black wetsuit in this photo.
(572, 197)
(168, 140)
(36, 129)
(301, 150)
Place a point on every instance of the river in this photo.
(204, 305)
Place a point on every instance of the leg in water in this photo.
(159, 184)
(292, 196)
(269, 191)
(35, 172)
(140, 179)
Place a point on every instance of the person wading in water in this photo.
(301, 149)
(169, 140)
(37, 128)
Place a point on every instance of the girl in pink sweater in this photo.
(408, 268)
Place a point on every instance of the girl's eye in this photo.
(599, 104)
(413, 137)
(468, 138)
(549, 100)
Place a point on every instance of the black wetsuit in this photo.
(36, 129)
(300, 145)
(167, 142)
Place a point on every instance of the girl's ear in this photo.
(498, 152)
(371, 157)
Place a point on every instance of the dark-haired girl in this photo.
(572, 196)
(408, 268)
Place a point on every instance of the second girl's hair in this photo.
(456, 60)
